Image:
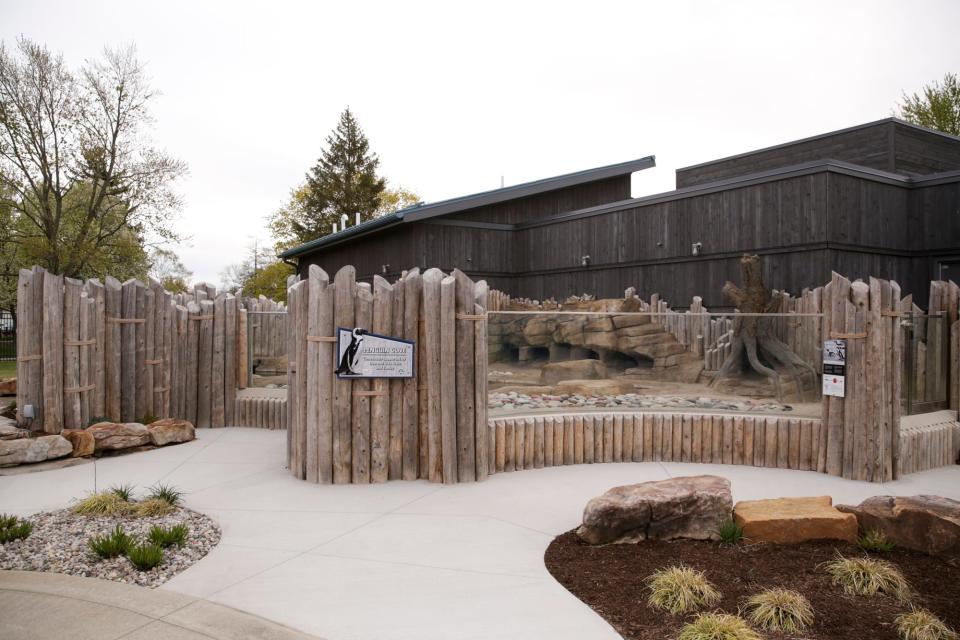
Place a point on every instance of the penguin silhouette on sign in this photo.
(352, 353)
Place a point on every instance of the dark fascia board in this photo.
(821, 136)
(794, 171)
(454, 205)
(495, 196)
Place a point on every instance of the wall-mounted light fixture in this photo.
(585, 261)
(696, 248)
(384, 269)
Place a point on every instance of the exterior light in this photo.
(384, 269)
(584, 261)
(696, 248)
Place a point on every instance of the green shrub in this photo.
(730, 531)
(164, 537)
(145, 556)
(98, 420)
(868, 577)
(876, 541)
(681, 589)
(168, 493)
(920, 624)
(12, 528)
(124, 491)
(780, 610)
(717, 626)
(153, 507)
(116, 543)
(105, 503)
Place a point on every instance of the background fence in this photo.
(124, 352)
(8, 336)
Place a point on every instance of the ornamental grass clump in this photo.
(681, 589)
(168, 493)
(868, 577)
(12, 528)
(876, 541)
(145, 556)
(116, 543)
(123, 491)
(717, 626)
(920, 624)
(153, 507)
(730, 531)
(167, 537)
(780, 610)
(105, 503)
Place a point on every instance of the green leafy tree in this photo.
(80, 178)
(169, 270)
(937, 107)
(260, 273)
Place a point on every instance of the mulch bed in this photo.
(611, 580)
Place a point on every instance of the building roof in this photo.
(454, 205)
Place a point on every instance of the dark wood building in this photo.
(879, 199)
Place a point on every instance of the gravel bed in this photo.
(59, 544)
(516, 400)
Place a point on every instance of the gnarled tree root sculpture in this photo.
(753, 335)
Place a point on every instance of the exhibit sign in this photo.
(834, 367)
(361, 354)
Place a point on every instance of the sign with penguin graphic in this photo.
(361, 354)
(834, 367)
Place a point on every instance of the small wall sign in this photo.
(361, 354)
(834, 367)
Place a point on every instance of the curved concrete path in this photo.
(34, 606)
(403, 559)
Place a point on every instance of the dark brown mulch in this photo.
(611, 580)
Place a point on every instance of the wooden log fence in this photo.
(430, 426)
(91, 351)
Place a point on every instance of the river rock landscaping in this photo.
(60, 543)
(515, 400)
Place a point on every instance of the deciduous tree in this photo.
(937, 107)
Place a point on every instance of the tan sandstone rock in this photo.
(554, 372)
(925, 523)
(792, 520)
(82, 441)
(119, 435)
(10, 431)
(8, 387)
(27, 450)
(171, 431)
(687, 507)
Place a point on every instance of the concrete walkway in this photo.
(35, 606)
(403, 559)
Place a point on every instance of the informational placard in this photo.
(361, 354)
(834, 367)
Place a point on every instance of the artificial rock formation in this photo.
(688, 507)
(925, 523)
(793, 520)
(83, 442)
(570, 336)
(588, 369)
(27, 450)
(111, 436)
(171, 431)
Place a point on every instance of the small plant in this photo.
(116, 543)
(153, 507)
(920, 624)
(147, 418)
(717, 626)
(868, 577)
(98, 420)
(876, 541)
(105, 503)
(124, 491)
(12, 528)
(780, 610)
(164, 537)
(145, 556)
(730, 531)
(166, 492)
(681, 589)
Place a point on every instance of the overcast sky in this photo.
(454, 95)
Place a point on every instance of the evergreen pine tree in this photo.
(344, 181)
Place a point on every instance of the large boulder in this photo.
(793, 520)
(171, 431)
(82, 441)
(8, 387)
(924, 523)
(26, 450)
(554, 372)
(689, 507)
(10, 431)
(110, 436)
